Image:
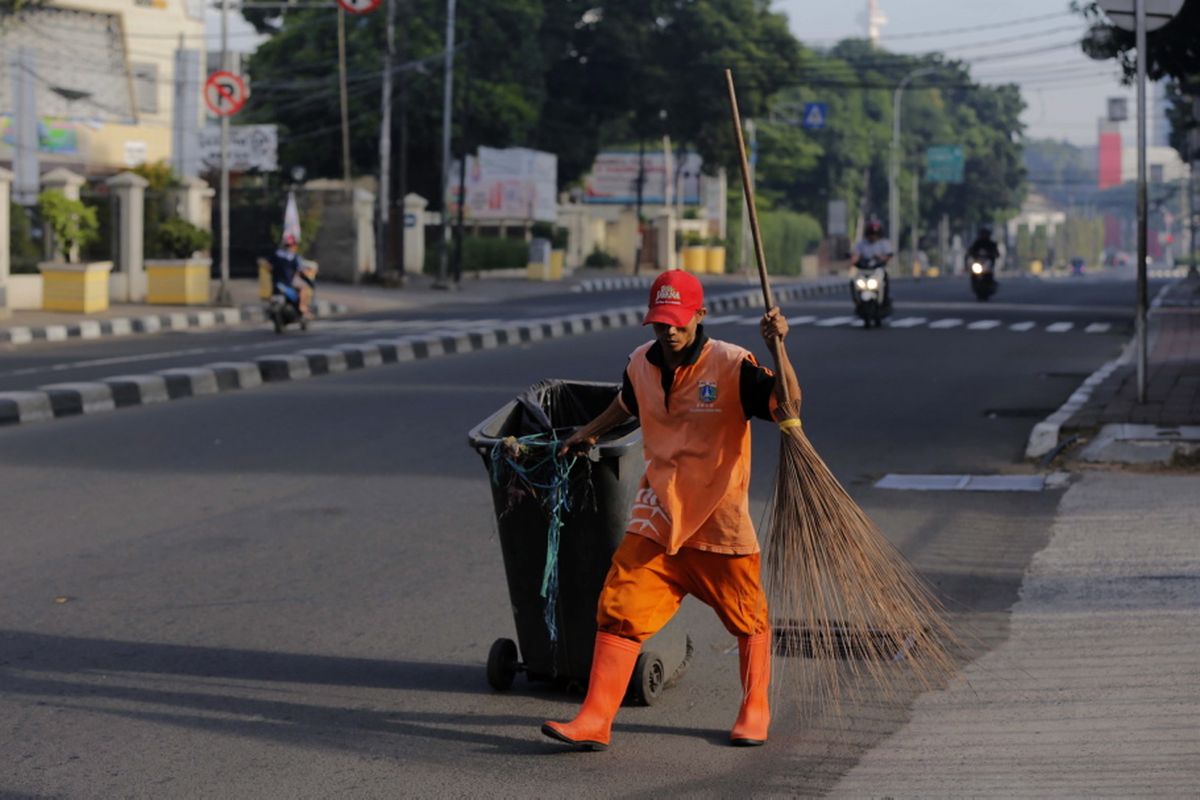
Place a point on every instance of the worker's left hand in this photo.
(773, 327)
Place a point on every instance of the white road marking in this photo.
(941, 324)
(804, 320)
(833, 322)
(908, 322)
(984, 325)
(1098, 327)
(1060, 327)
(1021, 327)
(964, 483)
(723, 320)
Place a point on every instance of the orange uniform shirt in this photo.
(696, 436)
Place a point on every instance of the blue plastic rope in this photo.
(547, 477)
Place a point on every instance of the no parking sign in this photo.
(225, 93)
(358, 6)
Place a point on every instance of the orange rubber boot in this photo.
(754, 661)
(612, 665)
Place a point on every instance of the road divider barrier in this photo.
(122, 391)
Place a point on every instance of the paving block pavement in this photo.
(1094, 692)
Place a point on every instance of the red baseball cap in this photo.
(675, 297)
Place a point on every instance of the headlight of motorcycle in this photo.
(860, 283)
(872, 283)
(977, 268)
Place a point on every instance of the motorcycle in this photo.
(869, 289)
(283, 307)
(983, 277)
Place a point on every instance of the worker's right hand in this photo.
(578, 442)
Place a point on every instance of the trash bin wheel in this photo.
(649, 680)
(502, 664)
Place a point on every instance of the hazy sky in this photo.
(1028, 42)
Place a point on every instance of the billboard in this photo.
(250, 147)
(614, 178)
(510, 184)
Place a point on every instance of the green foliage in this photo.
(24, 252)
(158, 175)
(1060, 171)
(178, 238)
(693, 239)
(482, 253)
(787, 237)
(560, 239)
(74, 225)
(600, 258)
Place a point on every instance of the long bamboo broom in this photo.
(840, 593)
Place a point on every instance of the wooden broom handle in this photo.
(759, 256)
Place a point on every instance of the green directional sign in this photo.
(944, 164)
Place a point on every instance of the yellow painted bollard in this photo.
(695, 259)
(76, 288)
(715, 261)
(264, 279)
(1035, 267)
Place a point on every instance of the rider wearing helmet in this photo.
(984, 246)
(874, 249)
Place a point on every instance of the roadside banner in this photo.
(614, 176)
(514, 183)
(251, 147)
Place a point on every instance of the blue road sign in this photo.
(814, 115)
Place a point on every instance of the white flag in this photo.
(291, 218)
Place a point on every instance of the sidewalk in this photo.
(1102, 422)
(1094, 692)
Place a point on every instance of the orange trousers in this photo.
(645, 587)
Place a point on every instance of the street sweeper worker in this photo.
(689, 531)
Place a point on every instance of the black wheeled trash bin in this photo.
(599, 490)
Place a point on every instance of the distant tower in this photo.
(875, 19)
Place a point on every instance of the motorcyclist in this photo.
(290, 276)
(874, 248)
(984, 246)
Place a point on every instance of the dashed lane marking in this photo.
(1021, 327)
(802, 320)
(1098, 327)
(908, 322)
(833, 322)
(984, 325)
(1060, 327)
(942, 324)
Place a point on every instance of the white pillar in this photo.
(364, 233)
(193, 202)
(5, 232)
(666, 239)
(414, 232)
(127, 282)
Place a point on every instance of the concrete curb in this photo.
(90, 329)
(123, 391)
(1043, 439)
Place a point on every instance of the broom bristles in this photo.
(841, 594)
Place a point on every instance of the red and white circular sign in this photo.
(225, 93)
(359, 6)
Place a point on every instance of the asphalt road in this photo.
(291, 591)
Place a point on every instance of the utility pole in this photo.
(916, 197)
(401, 229)
(1140, 319)
(386, 258)
(223, 296)
(744, 244)
(345, 100)
(447, 122)
(893, 230)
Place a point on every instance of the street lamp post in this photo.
(894, 169)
